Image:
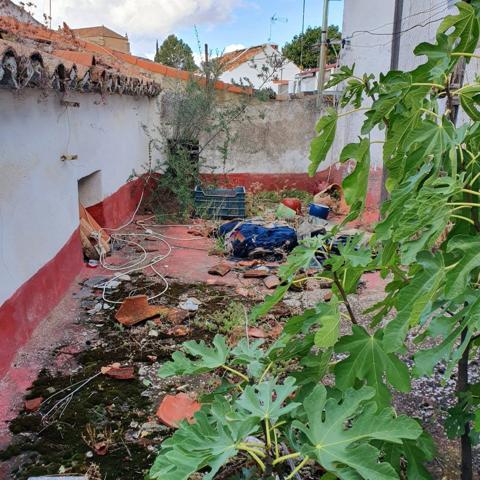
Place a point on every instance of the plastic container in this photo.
(220, 202)
(294, 204)
(318, 210)
(284, 212)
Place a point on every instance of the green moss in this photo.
(103, 402)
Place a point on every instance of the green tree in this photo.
(174, 52)
(301, 49)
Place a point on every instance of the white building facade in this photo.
(251, 63)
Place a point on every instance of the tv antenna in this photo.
(275, 19)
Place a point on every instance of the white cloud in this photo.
(234, 46)
(155, 18)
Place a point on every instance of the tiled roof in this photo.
(35, 56)
(101, 31)
(232, 60)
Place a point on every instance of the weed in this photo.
(224, 321)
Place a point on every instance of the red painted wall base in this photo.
(116, 209)
(301, 181)
(275, 181)
(32, 302)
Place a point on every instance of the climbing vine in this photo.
(275, 410)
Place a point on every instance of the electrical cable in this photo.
(134, 265)
(373, 31)
(399, 33)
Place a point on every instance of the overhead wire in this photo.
(435, 9)
(422, 25)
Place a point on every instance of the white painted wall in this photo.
(421, 18)
(287, 72)
(369, 34)
(306, 83)
(39, 192)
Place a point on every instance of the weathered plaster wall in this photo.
(273, 137)
(39, 192)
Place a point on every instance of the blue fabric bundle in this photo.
(248, 237)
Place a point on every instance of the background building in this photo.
(105, 37)
(263, 66)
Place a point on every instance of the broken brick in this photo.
(33, 404)
(136, 309)
(119, 373)
(249, 263)
(220, 269)
(175, 408)
(101, 448)
(328, 296)
(276, 331)
(271, 282)
(175, 316)
(179, 331)
(258, 273)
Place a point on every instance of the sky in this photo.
(224, 25)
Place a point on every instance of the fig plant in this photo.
(319, 403)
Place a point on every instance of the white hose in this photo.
(137, 264)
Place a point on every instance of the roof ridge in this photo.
(64, 45)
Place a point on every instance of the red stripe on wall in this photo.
(275, 181)
(301, 181)
(35, 299)
(32, 302)
(116, 209)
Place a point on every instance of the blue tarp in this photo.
(248, 237)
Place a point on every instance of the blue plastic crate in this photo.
(220, 202)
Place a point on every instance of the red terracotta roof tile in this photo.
(79, 58)
(232, 60)
(96, 61)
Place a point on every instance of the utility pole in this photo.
(322, 59)
(303, 32)
(50, 14)
(207, 66)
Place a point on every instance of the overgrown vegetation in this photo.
(197, 120)
(427, 243)
(228, 321)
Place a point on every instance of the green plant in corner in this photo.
(274, 412)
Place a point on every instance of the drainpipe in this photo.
(394, 60)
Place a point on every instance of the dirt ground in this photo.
(106, 427)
